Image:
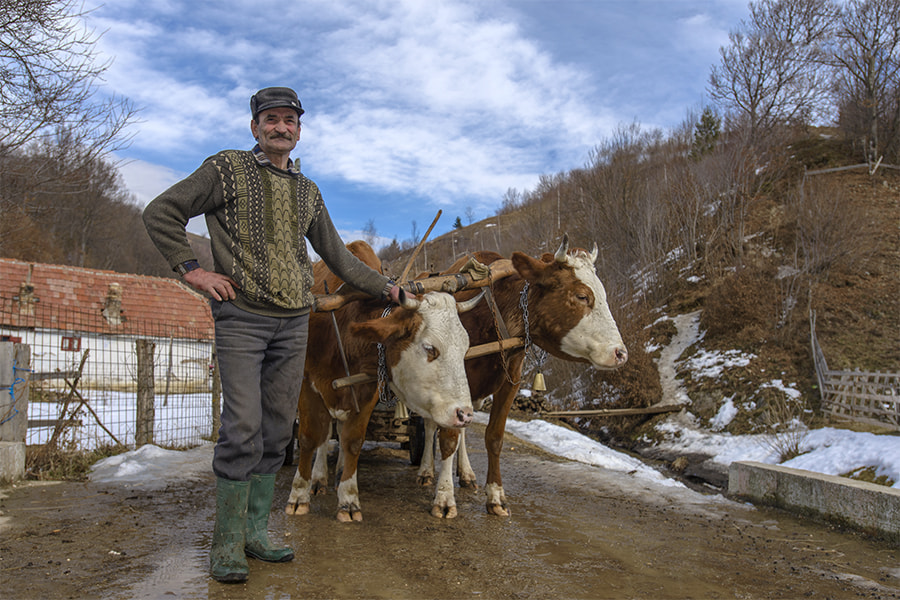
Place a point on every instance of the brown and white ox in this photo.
(568, 316)
(424, 347)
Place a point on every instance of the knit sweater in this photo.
(257, 216)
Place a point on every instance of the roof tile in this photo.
(64, 295)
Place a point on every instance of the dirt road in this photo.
(575, 532)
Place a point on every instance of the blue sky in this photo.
(411, 105)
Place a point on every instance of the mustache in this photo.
(276, 135)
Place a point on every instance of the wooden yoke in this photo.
(451, 284)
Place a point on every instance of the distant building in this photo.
(61, 312)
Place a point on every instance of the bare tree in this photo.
(370, 234)
(867, 58)
(828, 235)
(742, 169)
(48, 73)
(772, 70)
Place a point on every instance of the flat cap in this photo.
(274, 97)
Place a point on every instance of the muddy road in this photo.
(575, 532)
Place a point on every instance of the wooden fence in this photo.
(866, 396)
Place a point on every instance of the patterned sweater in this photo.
(257, 216)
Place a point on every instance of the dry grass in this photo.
(785, 418)
(59, 463)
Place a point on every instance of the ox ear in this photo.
(529, 268)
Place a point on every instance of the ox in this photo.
(424, 346)
(567, 315)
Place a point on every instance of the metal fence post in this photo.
(145, 393)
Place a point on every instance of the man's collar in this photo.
(261, 158)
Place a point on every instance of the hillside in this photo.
(829, 244)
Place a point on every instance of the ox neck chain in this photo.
(384, 382)
(538, 355)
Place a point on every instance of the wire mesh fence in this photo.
(84, 390)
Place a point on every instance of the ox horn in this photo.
(563, 252)
(469, 304)
(595, 252)
(408, 300)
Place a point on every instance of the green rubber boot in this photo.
(226, 557)
(258, 546)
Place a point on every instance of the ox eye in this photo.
(583, 298)
(431, 352)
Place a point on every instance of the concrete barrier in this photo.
(866, 506)
(15, 360)
(12, 461)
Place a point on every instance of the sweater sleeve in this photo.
(329, 245)
(167, 215)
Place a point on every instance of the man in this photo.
(258, 209)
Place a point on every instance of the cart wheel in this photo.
(416, 429)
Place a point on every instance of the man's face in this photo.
(277, 131)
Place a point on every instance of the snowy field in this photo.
(181, 420)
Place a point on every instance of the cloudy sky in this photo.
(411, 105)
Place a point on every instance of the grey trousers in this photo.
(261, 367)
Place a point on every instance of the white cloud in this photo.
(422, 102)
(147, 180)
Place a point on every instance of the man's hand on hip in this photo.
(221, 287)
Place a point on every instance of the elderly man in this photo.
(258, 209)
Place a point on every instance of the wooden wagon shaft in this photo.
(473, 352)
(439, 283)
(412, 258)
(615, 412)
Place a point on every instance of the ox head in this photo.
(568, 312)
(425, 347)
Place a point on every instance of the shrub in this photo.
(742, 307)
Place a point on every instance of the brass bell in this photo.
(539, 385)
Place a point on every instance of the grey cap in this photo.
(274, 97)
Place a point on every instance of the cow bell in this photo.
(539, 385)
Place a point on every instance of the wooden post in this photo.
(145, 393)
(216, 398)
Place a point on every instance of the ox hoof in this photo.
(498, 510)
(468, 483)
(297, 509)
(425, 480)
(347, 516)
(318, 489)
(444, 512)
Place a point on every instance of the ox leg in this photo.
(426, 467)
(463, 467)
(352, 436)
(319, 483)
(444, 505)
(493, 442)
(339, 464)
(315, 424)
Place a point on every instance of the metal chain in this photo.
(538, 354)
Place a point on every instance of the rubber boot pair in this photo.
(242, 520)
